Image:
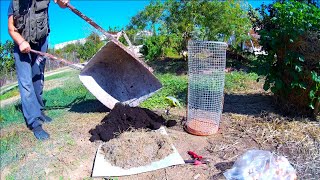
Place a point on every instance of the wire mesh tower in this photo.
(206, 63)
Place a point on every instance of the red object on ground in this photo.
(194, 155)
(196, 162)
(196, 159)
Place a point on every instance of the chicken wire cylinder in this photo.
(206, 64)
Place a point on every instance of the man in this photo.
(28, 25)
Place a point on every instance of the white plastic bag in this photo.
(261, 165)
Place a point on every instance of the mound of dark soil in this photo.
(123, 118)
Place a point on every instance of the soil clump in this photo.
(123, 118)
(137, 148)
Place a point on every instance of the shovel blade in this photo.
(114, 74)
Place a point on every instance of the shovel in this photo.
(115, 74)
(70, 64)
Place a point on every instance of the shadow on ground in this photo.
(250, 104)
(258, 105)
(80, 105)
(245, 104)
(88, 106)
(168, 65)
(222, 167)
(180, 66)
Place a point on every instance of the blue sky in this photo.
(66, 26)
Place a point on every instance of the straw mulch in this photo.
(137, 148)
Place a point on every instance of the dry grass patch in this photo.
(298, 140)
(137, 148)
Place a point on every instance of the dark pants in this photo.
(30, 74)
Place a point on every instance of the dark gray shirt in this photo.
(10, 9)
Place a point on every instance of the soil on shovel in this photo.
(123, 118)
(137, 148)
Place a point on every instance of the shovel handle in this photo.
(90, 21)
(74, 66)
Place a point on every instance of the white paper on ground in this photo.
(102, 168)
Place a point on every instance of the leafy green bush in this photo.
(6, 57)
(290, 34)
(161, 45)
(152, 47)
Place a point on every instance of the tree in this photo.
(194, 19)
(94, 38)
(220, 21)
(90, 47)
(70, 48)
(181, 19)
(313, 2)
(148, 18)
(86, 51)
(6, 56)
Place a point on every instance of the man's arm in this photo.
(62, 3)
(24, 46)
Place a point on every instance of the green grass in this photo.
(177, 87)
(239, 81)
(15, 91)
(66, 96)
(11, 114)
(73, 92)
(8, 144)
(57, 101)
(11, 93)
(61, 75)
(173, 85)
(171, 54)
(60, 100)
(10, 177)
(207, 82)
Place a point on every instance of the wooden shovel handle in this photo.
(70, 64)
(90, 21)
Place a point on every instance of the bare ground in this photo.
(250, 121)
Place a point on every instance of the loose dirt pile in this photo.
(123, 118)
(137, 148)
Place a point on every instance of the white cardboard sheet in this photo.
(102, 168)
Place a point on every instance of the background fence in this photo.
(9, 76)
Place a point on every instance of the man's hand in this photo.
(24, 47)
(62, 3)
